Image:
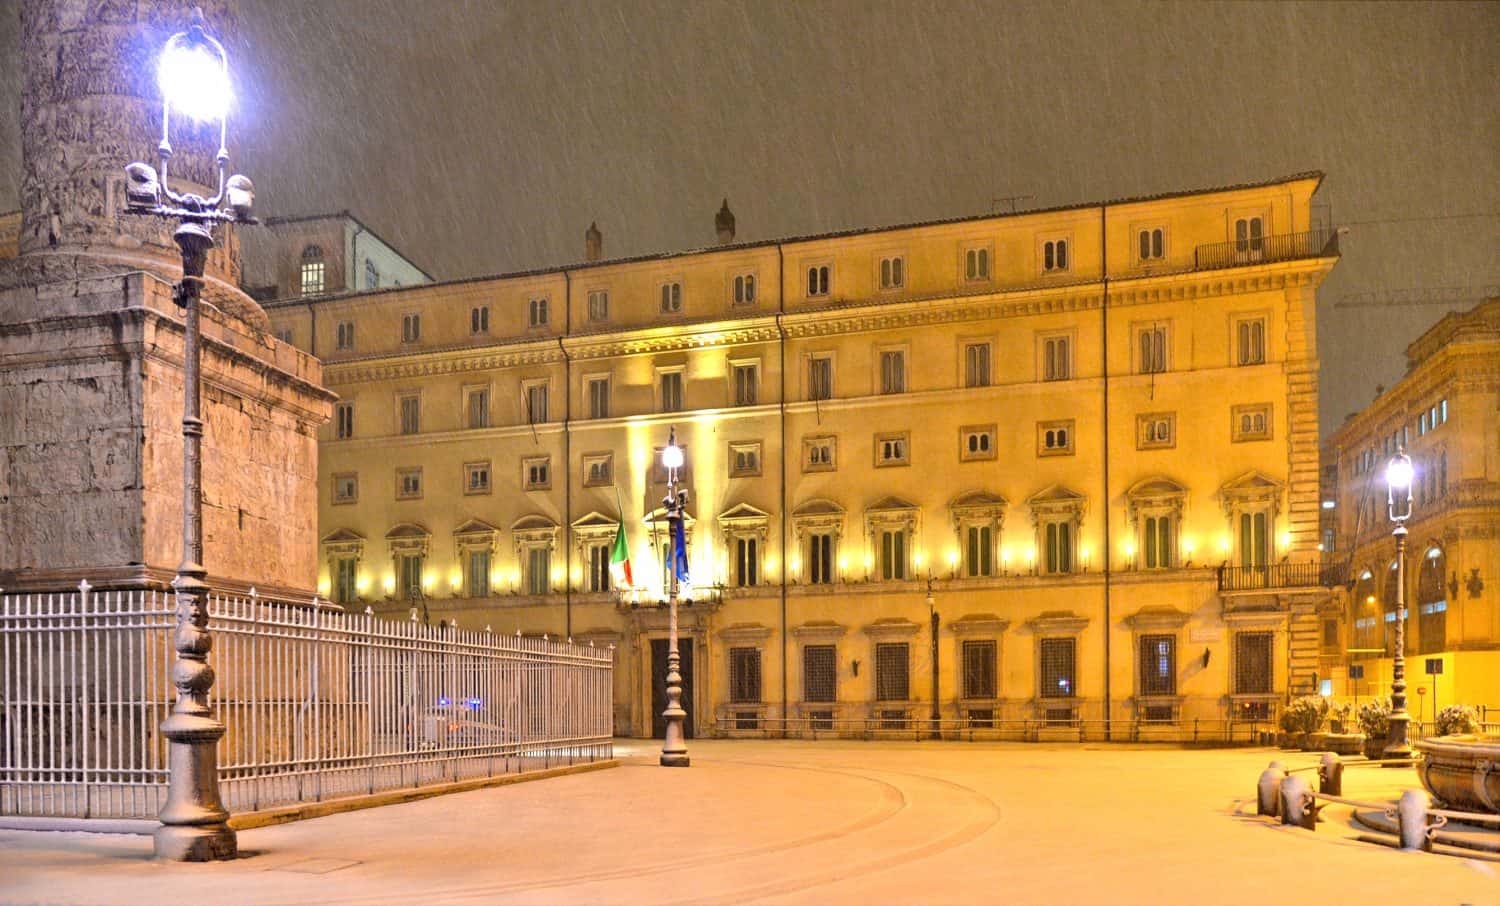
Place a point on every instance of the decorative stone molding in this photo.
(534, 531)
(816, 517)
(1154, 617)
(815, 631)
(475, 535)
(594, 528)
(745, 633)
(1056, 623)
(892, 627)
(978, 624)
(1056, 503)
(1157, 495)
(978, 507)
(743, 520)
(408, 538)
(1250, 490)
(893, 514)
(342, 543)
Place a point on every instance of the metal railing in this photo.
(1204, 731)
(1281, 575)
(1265, 249)
(318, 703)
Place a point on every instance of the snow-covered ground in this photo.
(800, 822)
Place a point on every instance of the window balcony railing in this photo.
(1282, 575)
(1265, 249)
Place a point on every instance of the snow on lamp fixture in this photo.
(193, 75)
(1398, 479)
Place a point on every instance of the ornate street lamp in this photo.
(1398, 479)
(674, 741)
(193, 75)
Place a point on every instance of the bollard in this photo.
(1297, 803)
(1411, 815)
(1331, 775)
(1266, 801)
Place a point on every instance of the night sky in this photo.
(483, 137)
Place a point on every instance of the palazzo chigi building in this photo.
(1078, 445)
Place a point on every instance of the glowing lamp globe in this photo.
(194, 80)
(1399, 474)
(671, 456)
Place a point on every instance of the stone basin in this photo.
(1462, 772)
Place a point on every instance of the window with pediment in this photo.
(1056, 515)
(593, 537)
(1154, 506)
(745, 530)
(1251, 502)
(344, 549)
(409, 545)
(817, 528)
(891, 526)
(977, 519)
(535, 540)
(475, 542)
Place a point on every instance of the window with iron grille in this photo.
(977, 365)
(1252, 663)
(979, 668)
(1057, 673)
(746, 720)
(893, 719)
(744, 675)
(1158, 714)
(820, 674)
(892, 672)
(1158, 665)
(344, 420)
(981, 718)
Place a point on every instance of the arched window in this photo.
(1432, 602)
(312, 270)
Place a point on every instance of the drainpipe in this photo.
(1108, 548)
(781, 345)
(567, 459)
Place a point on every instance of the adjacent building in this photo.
(1080, 444)
(330, 254)
(1445, 413)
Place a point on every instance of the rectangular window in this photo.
(346, 487)
(598, 470)
(893, 371)
(819, 454)
(598, 560)
(477, 409)
(671, 391)
(411, 328)
(1054, 255)
(537, 314)
(744, 674)
(1151, 244)
(476, 478)
(820, 673)
(1158, 664)
(893, 449)
(976, 365)
(312, 277)
(820, 559)
(1250, 341)
(411, 413)
(372, 275)
(1249, 237)
(1057, 668)
(478, 574)
(746, 562)
(1054, 438)
(345, 580)
(345, 335)
(817, 280)
(343, 419)
(536, 473)
(977, 265)
(284, 335)
(1251, 422)
(536, 403)
(1255, 539)
(1151, 350)
(599, 305)
(538, 571)
(598, 394)
(979, 551)
(1057, 358)
(1058, 541)
(1155, 430)
(892, 272)
(979, 668)
(746, 380)
(1252, 663)
(479, 319)
(820, 377)
(744, 460)
(409, 568)
(892, 672)
(976, 442)
(671, 298)
(893, 554)
(742, 289)
(1158, 541)
(408, 483)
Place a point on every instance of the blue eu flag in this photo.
(679, 542)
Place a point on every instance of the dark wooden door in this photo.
(659, 685)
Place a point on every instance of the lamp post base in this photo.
(674, 760)
(196, 843)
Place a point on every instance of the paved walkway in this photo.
(798, 822)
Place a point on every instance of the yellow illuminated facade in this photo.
(1445, 413)
(1086, 438)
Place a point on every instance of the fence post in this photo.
(1297, 803)
(1331, 775)
(1267, 802)
(1411, 817)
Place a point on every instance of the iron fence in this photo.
(1265, 249)
(317, 703)
(1282, 575)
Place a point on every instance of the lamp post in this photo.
(193, 75)
(674, 742)
(1398, 478)
(937, 714)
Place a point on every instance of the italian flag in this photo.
(619, 561)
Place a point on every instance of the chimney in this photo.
(593, 243)
(724, 224)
